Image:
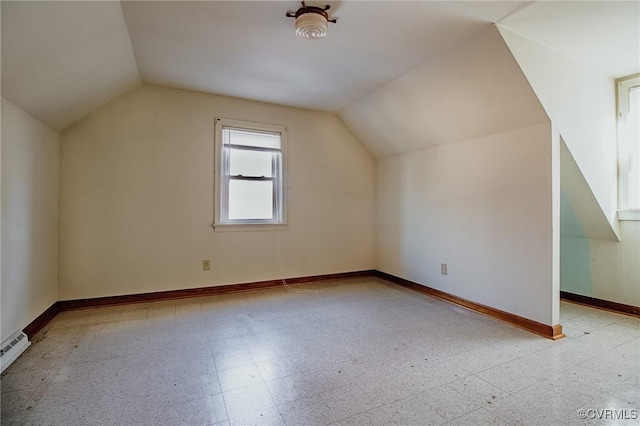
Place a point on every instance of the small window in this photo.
(629, 145)
(249, 172)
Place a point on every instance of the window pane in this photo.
(250, 163)
(633, 135)
(629, 145)
(634, 97)
(258, 139)
(250, 199)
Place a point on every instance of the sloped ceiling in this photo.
(474, 90)
(61, 60)
(571, 52)
(604, 36)
(248, 49)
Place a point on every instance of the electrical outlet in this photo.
(206, 265)
(443, 268)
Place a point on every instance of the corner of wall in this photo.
(585, 119)
(30, 185)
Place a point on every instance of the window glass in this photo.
(629, 143)
(250, 199)
(250, 163)
(255, 139)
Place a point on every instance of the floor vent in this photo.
(12, 348)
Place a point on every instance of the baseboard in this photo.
(607, 305)
(548, 331)
(42, 320)
(67, 305)
(552, 332)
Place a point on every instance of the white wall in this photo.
(581, 215)
(30, 153)
(484, 207)
(581, 103)
(580, 100)
(603, 269)
(593, 264)
(136, 200)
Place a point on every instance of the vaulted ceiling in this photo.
(62, 60)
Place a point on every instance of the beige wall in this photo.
(482, 206)
(29, 218)
(136, 200)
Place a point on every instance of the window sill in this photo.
(629, 215)
(251, 227)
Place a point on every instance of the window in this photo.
(249, 173)
(629, 147)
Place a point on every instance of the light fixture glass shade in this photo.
(311, 26)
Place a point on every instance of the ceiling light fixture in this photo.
(311, 21)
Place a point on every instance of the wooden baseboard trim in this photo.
(548, 331)
(42, 320)
(607, 305)
(551, 332)
(67, 305)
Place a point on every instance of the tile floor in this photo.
(352, 352)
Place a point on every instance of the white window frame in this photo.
(628, 154)
(222, 179)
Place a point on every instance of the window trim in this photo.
(220, 223)
(623, 85)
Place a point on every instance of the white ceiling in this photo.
(249, 50)
(61, 60)
(474, 90)
(605, 36)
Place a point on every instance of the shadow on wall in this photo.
(575, 252)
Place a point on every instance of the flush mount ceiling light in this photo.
(311, 21)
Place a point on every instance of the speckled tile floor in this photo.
(353, 352)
